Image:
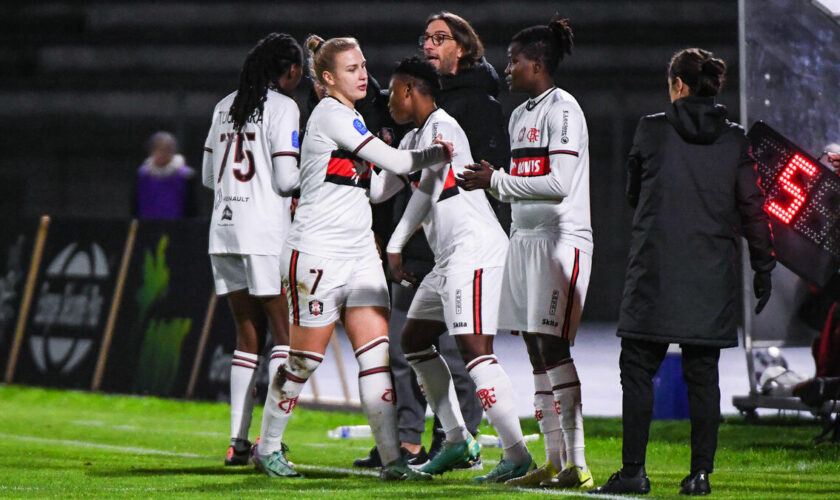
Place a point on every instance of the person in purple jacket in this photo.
(165, 185)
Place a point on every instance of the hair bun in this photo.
(313, 43)
(713, 67)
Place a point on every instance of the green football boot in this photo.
(535, 477)
(454, 456)
(506, 470)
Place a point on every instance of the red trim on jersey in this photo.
(570, 298)
(563, 152)
(477, 301)
(285, 153)
(293, 284)
(530, 162)
(380, 369)
(371, 346)
(360, 146)
(341, 169)
(209, 150)
(449, 187)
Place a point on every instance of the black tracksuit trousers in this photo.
(639, 362)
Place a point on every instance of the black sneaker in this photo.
(811, 392)
(623, 483)
(415, 460)
(238, 453)
(372, 461)
(696, 484)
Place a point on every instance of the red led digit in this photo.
(785, 214)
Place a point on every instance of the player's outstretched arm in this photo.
(417, 209)
(403, 162)
(384, 185)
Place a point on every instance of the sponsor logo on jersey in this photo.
(565, 128)
(459, 324)
(549, 322)
(521, 135)
(529, 162)
(358, 125)
(555, 296)
(241, 199)
(458, 301)
(295, 140)
(227, 213)
(487, 397)
(316, 307)
(347, 169)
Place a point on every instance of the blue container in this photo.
(670, 394)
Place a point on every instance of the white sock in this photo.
(379, 401)
(243, 370)
(566, 387)
(279, 353)
(283, 391)
(495, 393)
(436, 381)
(547, 415)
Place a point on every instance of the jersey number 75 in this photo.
(238, 155)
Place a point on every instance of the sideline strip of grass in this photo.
(72, 444)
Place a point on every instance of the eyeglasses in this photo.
(437, 39)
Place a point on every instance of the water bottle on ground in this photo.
(350, 432)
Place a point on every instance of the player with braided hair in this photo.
(550, 256)
(250, 161)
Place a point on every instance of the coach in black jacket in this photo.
(694, 185)
(469, 88)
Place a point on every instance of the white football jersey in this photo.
(542, 130)
(249, 217)
(333, 217)
(461, 227)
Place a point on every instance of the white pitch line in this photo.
(569, 493)
(112, 447)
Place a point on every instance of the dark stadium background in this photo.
(84, 84)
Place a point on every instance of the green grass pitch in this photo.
(68, 444)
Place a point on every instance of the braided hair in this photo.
(270, 59)
(547, 44)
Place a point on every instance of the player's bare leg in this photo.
(367, 329)
(277, 311)
(551, 354)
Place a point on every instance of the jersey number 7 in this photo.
(238, 155)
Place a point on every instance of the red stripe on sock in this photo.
(576, 383)
(380, 369)
(371, 346)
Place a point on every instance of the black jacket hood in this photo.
(698, 120)
(481, 76)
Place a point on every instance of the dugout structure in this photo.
(790, 83)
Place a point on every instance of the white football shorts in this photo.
(467, 302)
(318, 288)
(544, 285)
(260, 274)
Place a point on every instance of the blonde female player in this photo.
(331, 267)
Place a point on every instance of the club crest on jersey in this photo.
(295, 139)
(533, 135)
(521, 135)
(227, 213)
(316, 307)
(358, 125)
